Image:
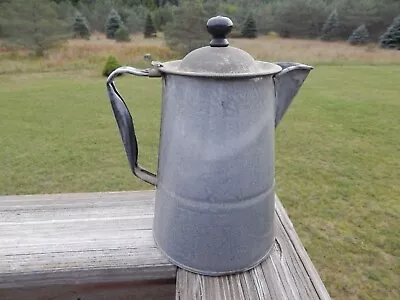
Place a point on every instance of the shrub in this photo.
(149, 29)
(249, 28)
(273, 34)
(111, 64)
(359, 36)
(122, 34)
(391, 38)
(330, 28)
(113, 23)
(81, 27)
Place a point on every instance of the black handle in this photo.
(125, 123)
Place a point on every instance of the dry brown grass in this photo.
(82, 54)
(314, 51)
(98, 49)
(92, 54)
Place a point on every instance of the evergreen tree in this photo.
(137, 18)
(149, 29)
(66, 11)
(391, 38)
(162, 16)
(298, 18)
(359, 36)
(111, 65)
(113, 23)
(32, 24)
(81, 27)
(122, 34)
(330, 28)
(187, 31)
(249, 28)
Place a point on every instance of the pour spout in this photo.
(287, 84)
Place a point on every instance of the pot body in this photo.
(214, 211)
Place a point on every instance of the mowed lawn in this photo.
(337, 159)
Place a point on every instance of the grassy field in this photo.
(337, 152)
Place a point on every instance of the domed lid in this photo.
(219, 59)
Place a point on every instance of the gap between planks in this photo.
(91, 239)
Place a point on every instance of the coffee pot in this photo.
(215, 199)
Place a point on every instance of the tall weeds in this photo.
(92, 54)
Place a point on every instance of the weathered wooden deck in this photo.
(100, 246)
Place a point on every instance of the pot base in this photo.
(213, 273)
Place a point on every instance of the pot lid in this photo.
(219, 59)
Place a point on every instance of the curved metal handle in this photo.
(125, 122)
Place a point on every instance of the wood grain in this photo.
(135, 290)
(287, 274)
(70, 246)
(100, 246)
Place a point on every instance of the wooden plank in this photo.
(300, 251)
(287, 274)
(88, 246)
(100, 246)
(136, 290)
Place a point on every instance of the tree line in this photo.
(46, 22)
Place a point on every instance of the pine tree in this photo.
(162, 16)
(330, 28)
(359, 36)
(249, 28)
(149, 29)
(113, 23)
(391, 38)
(122, 34)
(81, 27)
(32, 24)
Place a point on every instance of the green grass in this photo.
(338, 174)
(59, 135)
(337, 159)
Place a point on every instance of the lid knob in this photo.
(219, 27)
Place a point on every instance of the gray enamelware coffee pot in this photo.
(214, 206)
